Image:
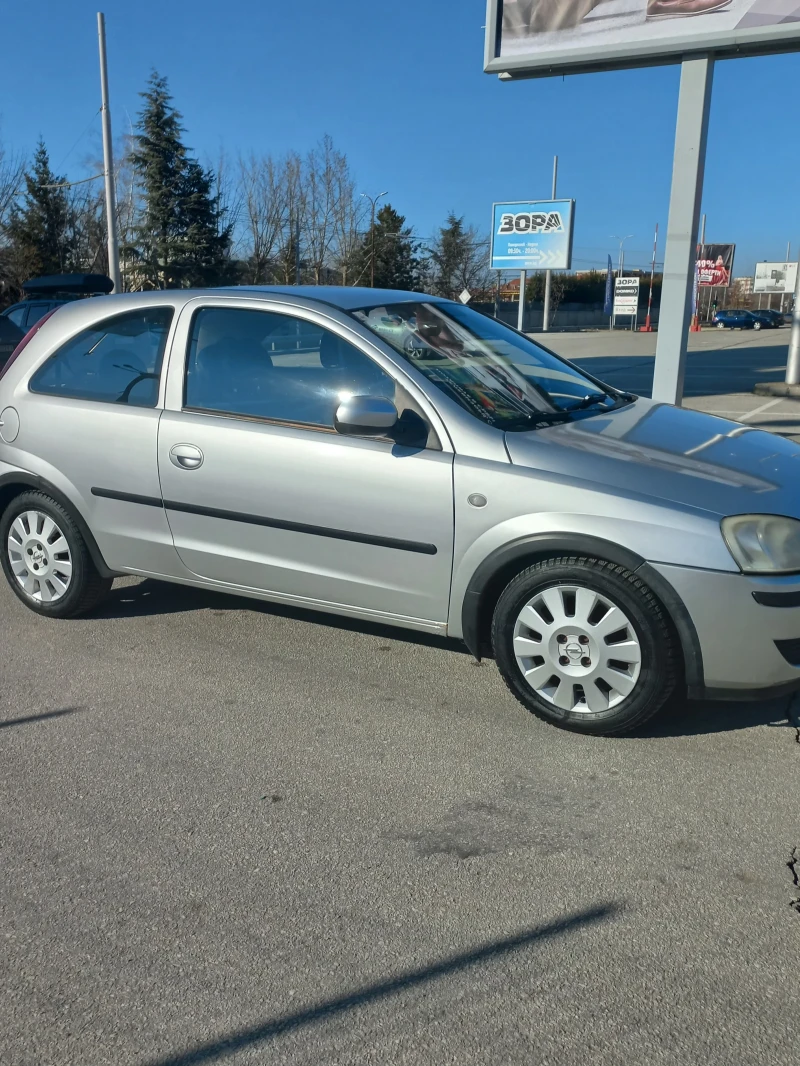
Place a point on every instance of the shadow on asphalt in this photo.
(228, 1045)
(161, 597)
(680, 717)
(28, 719)
(687, 718)
(736, 369)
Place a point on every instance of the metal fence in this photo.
(568, 317)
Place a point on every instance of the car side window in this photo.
(117, 360)
(260, 364)
(17, 316)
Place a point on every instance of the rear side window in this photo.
(117, 360)
(18, 316)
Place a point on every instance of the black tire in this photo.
(86, 589)
(756, 325)
(659, 655)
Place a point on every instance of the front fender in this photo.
(496, 556)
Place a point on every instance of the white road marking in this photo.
(764, 407)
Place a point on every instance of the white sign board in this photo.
(775, 277)
(626, 296)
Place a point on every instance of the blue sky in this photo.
(400, 88)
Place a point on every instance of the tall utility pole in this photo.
(108, 160)
(373, 201)
(647, 327)
(548, 273)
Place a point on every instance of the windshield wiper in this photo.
(546, 418)
(589, 401)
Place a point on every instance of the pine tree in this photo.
(159, 159)
(396, 262)
(39, 229)
(459, 259)
(451, 249)
(206, 241)
(180, 239)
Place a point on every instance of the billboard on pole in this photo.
(715, 264)
(544, 37)
(775, 277)
(532, 235)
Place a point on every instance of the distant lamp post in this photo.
(373, 201)
(621, 240)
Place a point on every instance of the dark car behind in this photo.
(43, 295)
(776, 318)
(10, 336)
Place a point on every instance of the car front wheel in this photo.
(585, 645)
(720, 325)
(46, 560)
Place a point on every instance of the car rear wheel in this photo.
(585, 645)
(720, 325)
(45, 558)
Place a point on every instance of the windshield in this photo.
(495, 373)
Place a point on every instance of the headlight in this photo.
(763, 543)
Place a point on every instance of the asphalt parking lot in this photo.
(246, 834)
(722, 367)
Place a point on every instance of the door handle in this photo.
(185, 456)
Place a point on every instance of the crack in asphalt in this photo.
(794, 859)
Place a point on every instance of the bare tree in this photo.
(11, 170)
(228, 193)
(290, 252)
(558, 286)
(87, 236)
(263, 193)
(322, 186)
(349, 222)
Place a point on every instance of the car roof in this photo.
(345, 297)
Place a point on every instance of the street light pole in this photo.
(373, 201)
(108, 160)
(621, 240)
(548, 273)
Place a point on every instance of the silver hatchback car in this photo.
(404, 459)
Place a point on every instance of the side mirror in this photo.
(365, 416)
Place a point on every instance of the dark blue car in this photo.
(737, 318)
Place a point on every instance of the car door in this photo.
(262, 493)
(92, 407)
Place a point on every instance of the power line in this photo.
(75, 145)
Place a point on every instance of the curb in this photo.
(776, 388)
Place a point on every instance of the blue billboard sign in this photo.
(532, 235)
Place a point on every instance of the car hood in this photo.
(655, 451)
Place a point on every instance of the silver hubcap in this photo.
(577, 649)
(39, 556)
